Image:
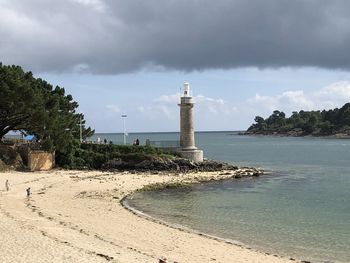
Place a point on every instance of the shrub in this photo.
(94, 156)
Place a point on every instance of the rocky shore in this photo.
(162, 164)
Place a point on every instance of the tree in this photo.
(305, 122)
(326, 128)
(343, 117)
(295, 120)
(276, 121)
(259, 121)
(21, 101)
(33, 106)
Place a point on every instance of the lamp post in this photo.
(124, 117)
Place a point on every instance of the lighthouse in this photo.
(187, 140)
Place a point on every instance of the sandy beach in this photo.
(76, 216)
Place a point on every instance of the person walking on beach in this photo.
(28, 192)
(163, 260)
(7, 185)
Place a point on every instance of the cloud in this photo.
(111, 37)
(334, 95)
(166, 106)
(329, 97)
(168, 99)
(94, 4)
(111, 108)
(213, 106)
(289, 100)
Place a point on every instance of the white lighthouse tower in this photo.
(187, 141)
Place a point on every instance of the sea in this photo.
(300, 208)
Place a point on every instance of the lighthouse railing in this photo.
(165, 144)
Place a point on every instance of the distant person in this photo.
(163, 260)
(98, 140)
(105, 141)
(28, 191)
(110, 142)
(137, 142)
(134, 142)
(7, 185)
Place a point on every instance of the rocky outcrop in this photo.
(10, 157)
(156, 163)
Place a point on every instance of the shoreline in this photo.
(183, 228)
(180, 227)
(333, 136)
(80, 213)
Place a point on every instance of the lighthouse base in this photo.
(193, 155)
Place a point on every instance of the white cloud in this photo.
(168, 99)
(141, 109)
(213, 106)
(158, 111)
(331, 96)
(166, 105)
(288, 101)
(112, 108)
(210, 113)
(334, 95)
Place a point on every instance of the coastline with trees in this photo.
(327, 123)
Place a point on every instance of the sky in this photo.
(242, 58)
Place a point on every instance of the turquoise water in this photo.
(302, 209)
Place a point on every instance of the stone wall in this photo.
(193, 155)
(40, 160)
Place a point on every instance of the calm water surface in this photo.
(301, 210)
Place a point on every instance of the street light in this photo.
(123, 117)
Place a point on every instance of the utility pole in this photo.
(124, 117)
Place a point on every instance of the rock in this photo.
(2, 166)
(151, 163)
(144, 164)
(225, 173)
(113, 164)
(10, 156)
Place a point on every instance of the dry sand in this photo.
(75, 216)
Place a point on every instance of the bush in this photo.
(95, 156)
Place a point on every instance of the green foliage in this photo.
(122, 149)
(94, 156)
(301, 123)
(33, 106)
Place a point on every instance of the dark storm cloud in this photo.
(108, 37)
